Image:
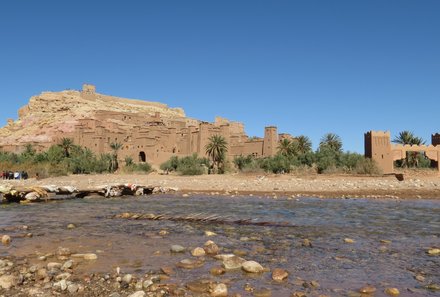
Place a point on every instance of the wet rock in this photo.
(306, 243)
(367, 290)
(200, 286)
(198, 252)
(433, 287)
(264, 292)
(6, 239)
(233, 262)
(218, 290)
(298, 294)
(146, 284)
(63, 251)
(167, 270)
(67, 265)
(41, 274)
(54, 266)
(349, 240)
(217, 271)
(190, 263)
(72, 288)
(420, 278)
(7, 281)
(61, 276)
(279, 274)
(392, 291)
(138, 294)
(175, 248)
(115, 294)
(252, 267)
(90, 256)
(163, 232)
(62, 284)
(384, 241)
(127, 278)
(211, 248)
(210, 233)
(71, 226)
(434, 252)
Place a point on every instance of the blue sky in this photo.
(308, 67)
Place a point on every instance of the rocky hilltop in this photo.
(52, 113)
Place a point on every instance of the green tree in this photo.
(115, 146)
(303, 144)
(286, 147)
(66, 144)
(331, 141)
(216, 149)
(408, 138)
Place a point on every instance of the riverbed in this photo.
(353, 242)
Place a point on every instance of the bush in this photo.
(140, 167)
(190, 165)
(367, 166)
(277, 164)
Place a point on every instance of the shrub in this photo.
(140, 167)
(190, 165)
(367, 166)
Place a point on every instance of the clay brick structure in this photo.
(379, 148)
(150, 133)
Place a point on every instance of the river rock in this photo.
(146, 284)
(61, 276)
(90, 256)
(233, 262)
(41, 274)
(367, 290)
(349, 240)
(434, 252)
(175, 248)
(127, 278)
(252, 267)
(306, 243)
(392, 291)
(211, 248)
(67, 265)
(200, 286)
(54, 266)
(63, 251)
(71, 226)
(190, 263)
(6, 239)
(138, 294)
(279, 274)
(62, 284)
(264, 292)
(218, 290)
(217, 271)
(7, 281)
(210, 233)
(167, 270)
(72, 288)
(198, 252)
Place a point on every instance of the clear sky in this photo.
(308, 67)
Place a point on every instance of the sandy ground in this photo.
(415, 185)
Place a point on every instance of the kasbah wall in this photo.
(154, 139)
(379, 148)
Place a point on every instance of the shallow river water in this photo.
(411, 226)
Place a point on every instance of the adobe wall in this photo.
(379, 148)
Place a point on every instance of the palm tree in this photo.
(66, 144)
(408, 138)
(285, 147)
(216, 149)
(331, 141)
(115, 146)
(304, 144)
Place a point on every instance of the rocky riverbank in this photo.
(415, 185)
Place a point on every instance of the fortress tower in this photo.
(435, 139)
(378, 148)
(88, 92)
(270, 141)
